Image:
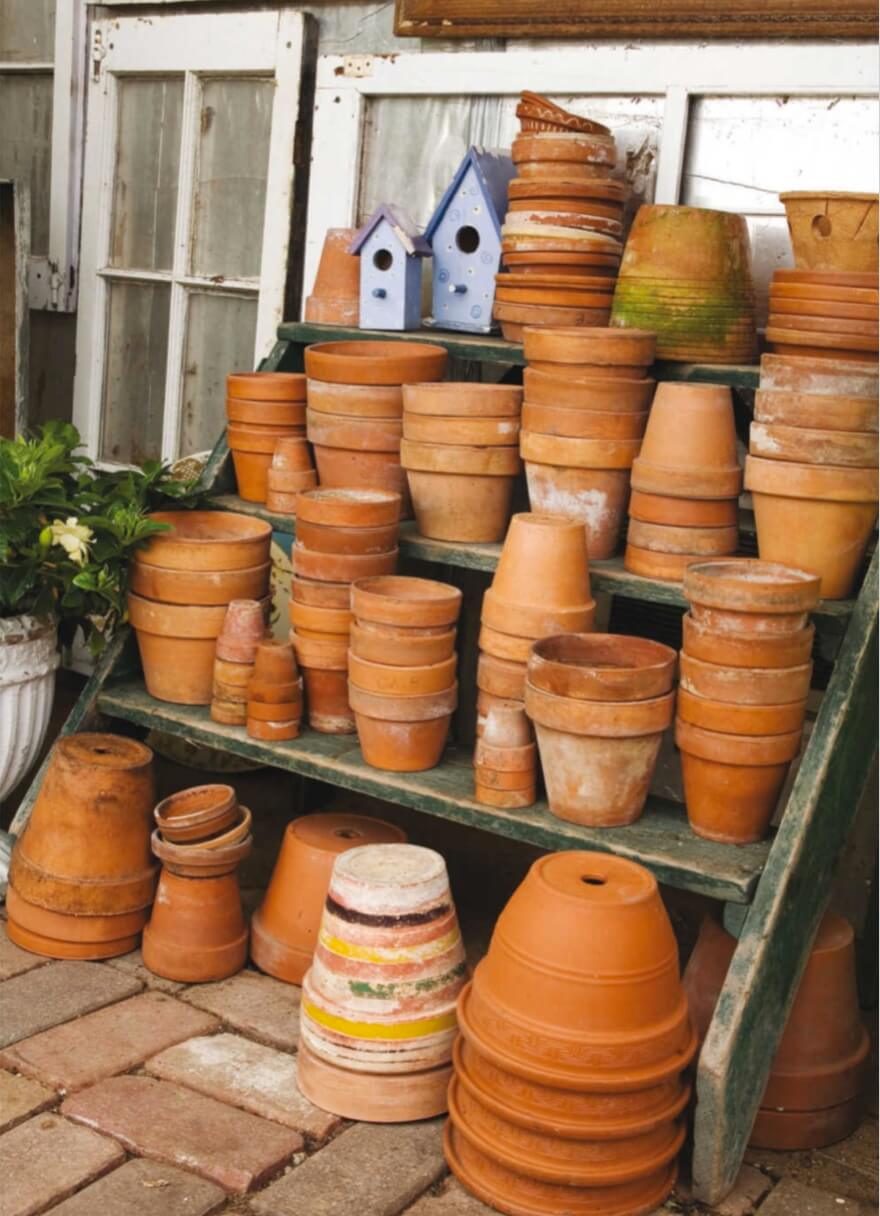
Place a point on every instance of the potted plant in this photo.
(68, 530)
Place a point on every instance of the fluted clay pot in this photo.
(207, 541)
(284, 929)
(731, 719)
(63, 935)
(689, 447)
(596, 392)
(818, 517)
(244, 627)
(542, 582)
(379, 1001)
(197, 932)
(832, 230)
(402, 733)
(195, 814)
(732, 782)
(580, 988)
(461, 493)
(335, 298)
(86, 848)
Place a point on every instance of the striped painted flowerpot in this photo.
(378, 1016)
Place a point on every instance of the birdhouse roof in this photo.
(404, 228)
(494, 171)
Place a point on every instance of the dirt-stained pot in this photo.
(461, 493)
(818, 376)
(244, 627)
(807, 445)
(749, 588)
(284, 929)
(402, 733)
(814, 410)
(732, 782)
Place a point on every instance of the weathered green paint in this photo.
(778, 931)
(661, 839)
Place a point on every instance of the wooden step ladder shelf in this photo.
(774, 892)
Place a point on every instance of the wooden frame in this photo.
(677, 73)
(635, 19)
(15, 227)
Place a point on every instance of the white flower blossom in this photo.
(73, 537)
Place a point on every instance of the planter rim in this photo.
(734, 750)
(601, 719)
(594, 665)
(833, 483)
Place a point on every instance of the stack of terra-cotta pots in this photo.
(355, 409)
(686, 275)
(541, 586)
(601, 703)
(197, 931)
(284, 929)
(460, 451)
(341, 535)
(506, 758)
(378, 1014)
(816, 1089)
(685, 483)
(586, 407)
(81, 878)
(335, 298)
(745, 675)
(261, 408)
(235, 653)
(182, 581)
(290, 472)
(561, 239)
(568, 1090)
(402, 684)
(275, 693)
(812, 468)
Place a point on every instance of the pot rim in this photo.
(811, 482)
(749, 584)
(642, 657)
(599, 719)
(752, 751)
(388, 599)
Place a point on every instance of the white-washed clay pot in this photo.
(28, 661)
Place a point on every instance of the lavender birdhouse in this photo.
(390, 248)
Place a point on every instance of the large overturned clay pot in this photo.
(335, 298)
(689, 447)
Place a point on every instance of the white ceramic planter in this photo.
(28, 660)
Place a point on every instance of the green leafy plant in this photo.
(68, 530)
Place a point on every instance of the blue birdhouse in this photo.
(465, 237)
(390, 247)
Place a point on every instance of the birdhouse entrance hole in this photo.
(467, 239)
(382, 259)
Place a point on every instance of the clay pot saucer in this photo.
(199, 861)
(266, 386)
(594, 346)
(602, 666)
(405, 601)
(378, 362)
(207, 540)
(196, 813)
(348, 508)
(536, 106)
(463, 399)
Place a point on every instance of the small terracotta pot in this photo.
(732, 782)
(553, 551)
(207, 540)
(460, 493)
(746, 649)
(176, 644)
(375, 362)
(833, 230)
(244, 627)
(320, 539)
(745, 587)
(689, 448)
(252, 449)
(196, 813)
(283, 502)
(327, 699)
(814, 410)
(342, 468)
(463, 399)
(810, 446)
(598, 757)
(596, 393)
(507, 726)
(335, 298)
(64, 936)
(520, 761)
(486, 702)
(402, 734)
(405, 601)
(266, 413)
(284, 929)
(274, 663)
(197, 931)
(400, 650)
(291, 455)
(651, 563)
(199, 587)
(834, 508)
(730, 719)
(683, 512)
(318, 594)
(666, 538)
(502, 678)
(467, 432)
(228, 712)
(341, 567)
(266, 386)
(598, 347)
(602, 667)
(356, 400)
(745, 685)
(398, 681)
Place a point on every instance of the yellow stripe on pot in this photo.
(372, 954)
(371, 1030)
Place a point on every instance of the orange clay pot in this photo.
(335, 298)
(356, 400)
(176, 644)
(363, 470)
(580, 373)
(284, 929)
(730, 719)
(320, 539)
(399, 650)
(819, 517)
(809, 445)
(746, 649)
(375, 362)
(355, 434)
(283, 489)
(706, 971)
(598, 347)
(582, 423)
(404, 601)
(291, 455)
(665, 538)
(466, 432)
(602, 667)
(341, 567)
(64, 936)
(403, 734)
(596, 393)
(327, 699)
(507, 760)
(812, 410)
(825, 376)
(285, 414)
(759, 623)
(651, 563)
(199, 587)
(86, 847)
(595, 497)
(274, 664)
(745, 685)
(599, 268)
(463, 399)
(732, 782)
(754, 588)
(319, 594)
(508, 646)
(197, 931)
(683, 512)
(797, 1130)
(194, 814)
(461, 493)
(580, 988)
(266, 386)
(598, 757)
(514, 318)
(397, 681)
(356, 509)
(689, 448)
(833, 230)
(252, 448)
(507, 726)
(309, 620)
(244, 627)
(486, 702)
(502, 678)
(207, 540)
(273, 732)
(542, 581)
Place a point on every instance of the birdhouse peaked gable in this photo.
(493, 171)
(402, 227)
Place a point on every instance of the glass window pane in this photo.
(134, 378)
(230, 187)
(219, 339)
(26, 145)
(27, 31)
(147, 166)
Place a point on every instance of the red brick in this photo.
(256, 1078)
(259, 1006)
(176, 1125)
(112, 1040)
(145, 1188)
(56, 993)
(14, 960)
(21, 1098)
(46, 1159)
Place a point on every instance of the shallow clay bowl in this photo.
(375, 362)
(207, 540)
(602, 667)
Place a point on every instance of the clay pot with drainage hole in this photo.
(284, 929)
(732, 782)
(833, 230)
(461, 493)
(402, 733)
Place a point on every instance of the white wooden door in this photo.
(188, 187)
